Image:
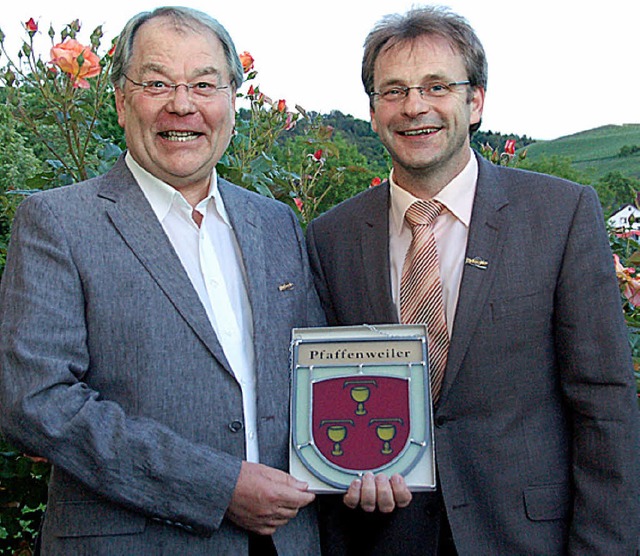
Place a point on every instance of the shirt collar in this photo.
(457, 196)
(162, 196)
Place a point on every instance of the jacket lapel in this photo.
(251, 228)
(487, 232)
(246, 222)
(374, 243)
(134, 219)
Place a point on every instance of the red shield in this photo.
(361, 423)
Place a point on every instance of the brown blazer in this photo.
(536, 433)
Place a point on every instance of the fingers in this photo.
(299, 493)
(378, 492)
(266, 498)
(268, 526)
(401, 493)
(352, 497)
(385, 500)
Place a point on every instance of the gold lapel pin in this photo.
(477, 262)
(286, 286)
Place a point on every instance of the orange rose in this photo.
(76, 60)
(282, 105)
(247, 61)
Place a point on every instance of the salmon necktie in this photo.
(421, 289)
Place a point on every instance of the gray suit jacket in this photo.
(536, 432)
(111, 370)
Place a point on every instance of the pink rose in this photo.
(76, 60)
(629, 285)
(632, 291)
(290, 123)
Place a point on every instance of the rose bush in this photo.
(59, 101)
(626, 260)
(629, 282)
(261, 130)
(508, 156)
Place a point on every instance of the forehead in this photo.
(420, 58)
(161, 43)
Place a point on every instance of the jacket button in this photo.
(440, 421)
(235, 426)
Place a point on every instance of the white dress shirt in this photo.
(451, 231)
(211, 256)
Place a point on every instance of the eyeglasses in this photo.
(164, 89)
(398, 93)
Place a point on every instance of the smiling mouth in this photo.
(179, 136)
(417, 132)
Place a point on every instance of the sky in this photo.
(556, 67)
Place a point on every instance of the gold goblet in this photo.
(337, 433)
(360, 394)
(386, 432)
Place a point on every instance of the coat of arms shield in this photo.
(360, 402)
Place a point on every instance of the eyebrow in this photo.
(426, 79)
(158, 68)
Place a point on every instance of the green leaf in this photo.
(634, 258)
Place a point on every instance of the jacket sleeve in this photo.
(599, 390)
(49, 409)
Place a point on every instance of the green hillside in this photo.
(596, 152)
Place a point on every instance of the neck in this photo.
(426, 183)
(195, 193)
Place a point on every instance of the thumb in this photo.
(295, 483)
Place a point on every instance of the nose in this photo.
(416, 102)
(181, 102)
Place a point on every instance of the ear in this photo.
(476, 106)
(120, 106)
(372, 116)
(232, 108)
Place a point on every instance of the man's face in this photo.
(427, 138)
(181, 138)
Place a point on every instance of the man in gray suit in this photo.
(536, 427)
(145, 323)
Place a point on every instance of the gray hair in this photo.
(182, 17)
(398, 29)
